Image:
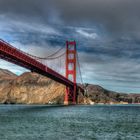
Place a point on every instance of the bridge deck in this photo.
(18, 57)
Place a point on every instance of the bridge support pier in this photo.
(71, 92)
(66, 96)
(70, 95)
(74, 94)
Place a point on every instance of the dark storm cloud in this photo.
(119, 17)
(115, 15)
(38, 11)
(27, 8)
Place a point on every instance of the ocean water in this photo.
(101, 122)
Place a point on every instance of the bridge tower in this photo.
(70, 94)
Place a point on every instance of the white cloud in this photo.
(10, 25)
(87, 34)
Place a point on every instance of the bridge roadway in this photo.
(18, 57)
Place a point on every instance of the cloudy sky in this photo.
(107, 33)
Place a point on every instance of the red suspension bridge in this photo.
(41, 65)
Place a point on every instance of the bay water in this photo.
(78, 122)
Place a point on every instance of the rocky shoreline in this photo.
(32, 88)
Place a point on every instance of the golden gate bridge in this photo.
(62, 66)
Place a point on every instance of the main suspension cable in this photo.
(49, 56)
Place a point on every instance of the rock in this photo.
(32, 88)
(99, 95)
(6, 80)
(29, 88)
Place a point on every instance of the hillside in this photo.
(29, 88)
(32, 88)
(98, 94)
